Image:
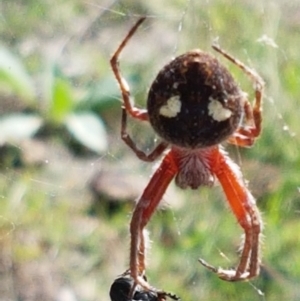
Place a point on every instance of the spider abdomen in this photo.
(194, 102)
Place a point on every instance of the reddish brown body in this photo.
(194, 104)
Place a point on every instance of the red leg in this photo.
(140, 154)
(243, 205)
(128, 106)
(246, 134)
(124, 87)
(143, 211)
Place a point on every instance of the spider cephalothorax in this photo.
(194, 104)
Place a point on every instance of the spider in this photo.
(194, 105)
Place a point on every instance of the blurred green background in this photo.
(68, 182)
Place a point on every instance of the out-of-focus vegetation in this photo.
(63, 168)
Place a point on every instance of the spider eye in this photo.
(194, 101)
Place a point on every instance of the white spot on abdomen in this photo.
(217, 111)
(171, 108)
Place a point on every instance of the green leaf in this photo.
(62, 101)
(16, 127)
(14, 77)
(58, 95)
(89, 130)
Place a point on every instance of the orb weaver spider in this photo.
(194, 105)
